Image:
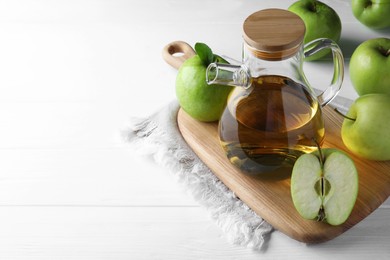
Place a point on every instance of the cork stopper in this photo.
(273, 34)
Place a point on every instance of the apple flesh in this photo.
(368, 135)
(369, 67)
(324, 188)
(321, 21)
(372, 13)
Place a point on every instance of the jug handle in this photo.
(175, 53)
(338, 65)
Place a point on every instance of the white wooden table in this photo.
(72, 73)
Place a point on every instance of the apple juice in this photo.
(270, 125)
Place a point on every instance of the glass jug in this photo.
(273, 115)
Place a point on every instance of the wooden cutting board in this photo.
(270, 197)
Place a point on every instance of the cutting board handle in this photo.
(175, 53)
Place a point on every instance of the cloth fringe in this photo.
(158, 136)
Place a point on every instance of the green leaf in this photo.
(205, 53)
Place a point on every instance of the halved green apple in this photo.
(324, 186)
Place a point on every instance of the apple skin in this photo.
(369, 66)
(373, 14)
(201, 101)
(369, 135)
(321, 21)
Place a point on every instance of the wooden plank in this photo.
(271, 199)
(86, 177)
(162, 233)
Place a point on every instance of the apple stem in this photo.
(347, 117)
(387, 53)
(320, 152)
(321, 156)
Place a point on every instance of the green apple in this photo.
(321, 21)
(366, 131)
(369, 66)
(372, 13)
(201, 101)
(324, 186)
